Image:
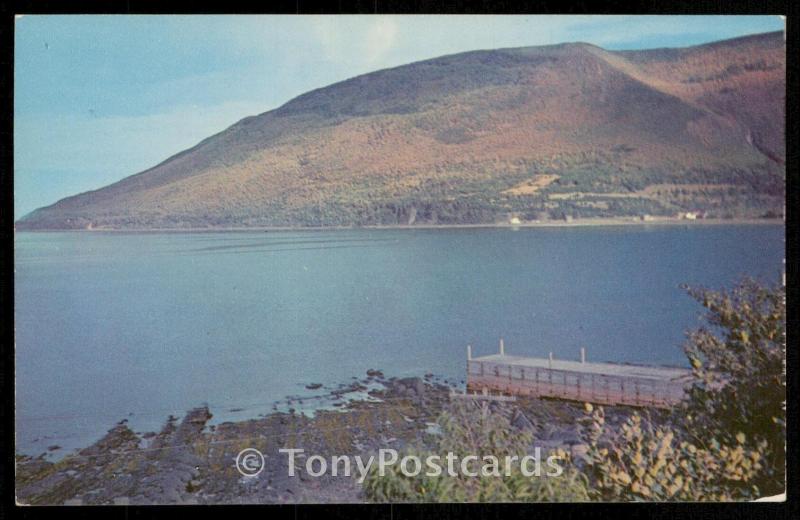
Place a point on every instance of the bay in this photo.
(137, 326)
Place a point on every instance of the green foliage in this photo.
(739, 364)
(727, 440)
(643, 461)
(468, 430)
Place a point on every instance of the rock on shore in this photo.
(189, 461)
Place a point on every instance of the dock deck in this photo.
(600, 383)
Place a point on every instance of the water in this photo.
(138, 326)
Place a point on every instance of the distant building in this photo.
(646, 218)
(689, 215)
(568, 218)
(514, 221)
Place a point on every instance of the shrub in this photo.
(468, 430)
(739, 365)
(642, 461)
(727, 440)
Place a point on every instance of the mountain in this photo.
(532, 132)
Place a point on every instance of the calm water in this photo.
(137, 326)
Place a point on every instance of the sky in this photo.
(98, 98)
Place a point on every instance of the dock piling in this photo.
(469, 352)
(502, 348)
(583, 355)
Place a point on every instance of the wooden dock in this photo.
(600, 383)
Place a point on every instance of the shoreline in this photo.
(588, 222)
(191, 460)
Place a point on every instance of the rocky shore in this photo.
(193, 462)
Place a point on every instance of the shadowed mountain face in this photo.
(537, 132)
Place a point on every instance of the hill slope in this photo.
(536, 132)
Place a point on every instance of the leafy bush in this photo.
(727, 440)
(468, 430)
(642, 461)
(739, 364)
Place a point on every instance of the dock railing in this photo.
(600, 383)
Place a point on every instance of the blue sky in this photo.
(98, 98)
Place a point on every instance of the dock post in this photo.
(502, 348)
(469, 352)
(550, 361)
(583, 355)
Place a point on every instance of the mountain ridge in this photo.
(474, 137)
